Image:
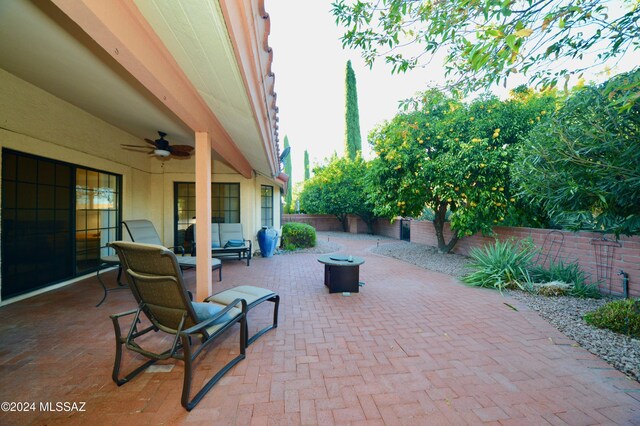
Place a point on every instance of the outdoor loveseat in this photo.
(227, 239)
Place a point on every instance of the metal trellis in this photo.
(604, 250)
(551, 246)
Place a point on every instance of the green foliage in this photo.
(583, 165)
(488, 41)
(353, 139)
(288, 199)
(449, 156)
(509, 265)
(306, 165)
(621, 316)
(569, 273)
(501, 265)
(298, 235)
(339, 188)
(558, 271)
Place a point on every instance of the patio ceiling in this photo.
(42, 45)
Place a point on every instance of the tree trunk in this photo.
(438, 224)
(343, 220)
(370, 221)
(370, 224)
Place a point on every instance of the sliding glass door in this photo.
(55, 218)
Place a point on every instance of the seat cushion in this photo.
(191, 261)
(247, 292)
(207, 310)
(234, 243)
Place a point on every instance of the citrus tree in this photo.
(339, 188)
(452, 157)
(583, 165)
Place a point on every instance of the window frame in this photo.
(268, 209)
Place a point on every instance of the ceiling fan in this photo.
(162, 148)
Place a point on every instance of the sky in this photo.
(309, 65)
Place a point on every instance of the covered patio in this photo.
(413, 347)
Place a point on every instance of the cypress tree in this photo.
(287, 169)
(353, 140)
(306, 165)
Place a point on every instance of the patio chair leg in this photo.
(276, 300)
(189, 358)
(115, 375)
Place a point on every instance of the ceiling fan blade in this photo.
(180, 154)
(181, 148)
(134, 146)
(149, 141)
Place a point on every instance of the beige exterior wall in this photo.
(249, 197)
(36, 122)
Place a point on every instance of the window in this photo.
(225, 203)
(97, 216)
(55, 218)
(225, 207)
(266, 205)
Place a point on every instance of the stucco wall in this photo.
(36, 122)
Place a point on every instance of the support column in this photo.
(204, 280)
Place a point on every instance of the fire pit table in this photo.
(341, 272)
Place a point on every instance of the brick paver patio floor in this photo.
(414, 347)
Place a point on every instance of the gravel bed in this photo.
(424, 256)
(564, 313)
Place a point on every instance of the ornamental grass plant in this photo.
(569, 273)
(510, 265)
(502, 265)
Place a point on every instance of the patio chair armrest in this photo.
(179, 249)
(123, 314)
(197, 329)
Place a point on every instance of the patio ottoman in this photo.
(253, 296)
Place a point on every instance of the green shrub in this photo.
(621, 316)
(298, 235)
(501, 265)
(569, 273)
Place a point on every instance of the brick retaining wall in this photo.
(576, 247)
(319, 222)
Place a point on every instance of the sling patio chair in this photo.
(157, 285)
(143, 231)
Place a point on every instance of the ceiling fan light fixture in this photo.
(161, 152)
